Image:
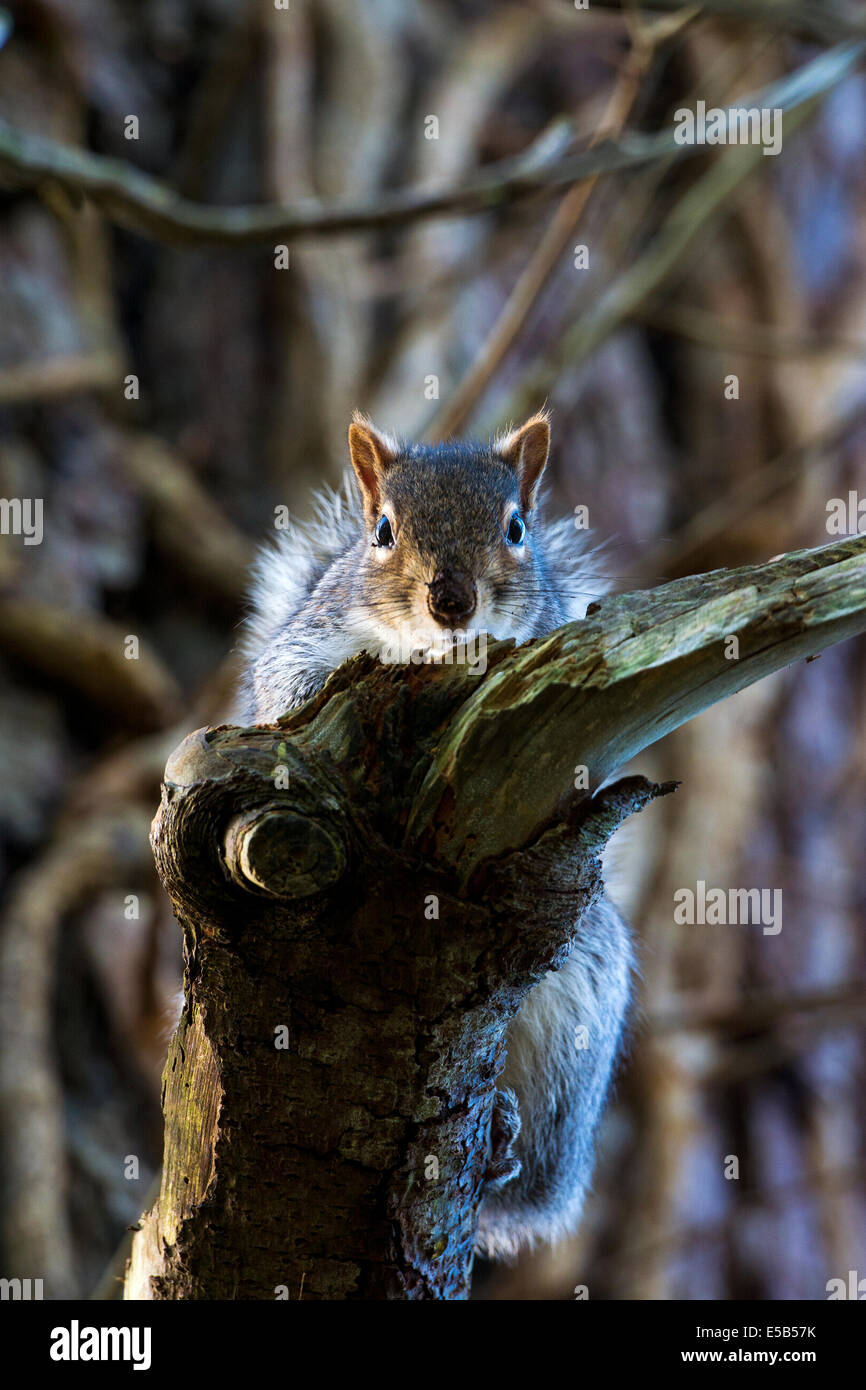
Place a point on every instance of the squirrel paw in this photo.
(503, 1165)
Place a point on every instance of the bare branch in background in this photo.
(134, 199)
(504, 333)
(826, 21)
(87, 655)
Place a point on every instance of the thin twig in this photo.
(754, 339)
(755, 489)
(760, 1011)
(537, 272)
(662, 261)
(823, 21)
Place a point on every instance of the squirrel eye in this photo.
(516, 529)
(384, 535)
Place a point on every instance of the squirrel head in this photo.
(452, 539)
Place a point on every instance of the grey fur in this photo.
(560, 1085)
(322, 594)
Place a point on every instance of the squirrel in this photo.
(422, 542)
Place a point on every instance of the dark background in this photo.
(743, 1044)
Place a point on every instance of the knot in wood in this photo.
(284, 854)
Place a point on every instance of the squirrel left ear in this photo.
(371, 453)
(526, 451)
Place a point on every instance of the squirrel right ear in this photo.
(371, 453)
(525, 450)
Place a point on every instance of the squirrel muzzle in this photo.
(452, 597)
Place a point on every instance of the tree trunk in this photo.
(369, 889)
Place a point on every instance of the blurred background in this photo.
(163, 399)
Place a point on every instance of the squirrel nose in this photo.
(452, 597)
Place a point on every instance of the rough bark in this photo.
(385, 874)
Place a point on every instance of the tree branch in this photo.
(381, 877)
(640, 665)
(142, 203)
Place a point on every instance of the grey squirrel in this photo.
(425, 542)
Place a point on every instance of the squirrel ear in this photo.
(372, 454)
(526, 451)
